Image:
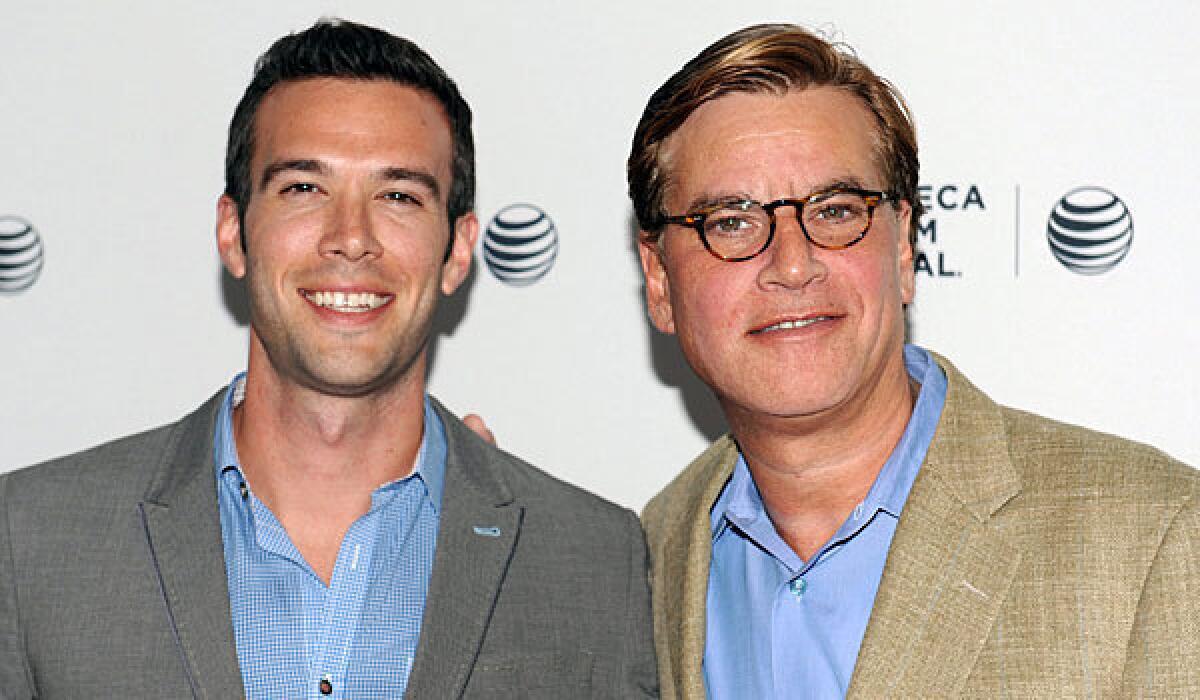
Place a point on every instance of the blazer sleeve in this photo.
(639, 671)
(15, 677)
(1163, 657)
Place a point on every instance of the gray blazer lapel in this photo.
(949, 567)
(468, 567)
(183, 531)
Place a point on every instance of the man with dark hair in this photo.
(873, 525)
(322, 527)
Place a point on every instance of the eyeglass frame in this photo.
(696, 220)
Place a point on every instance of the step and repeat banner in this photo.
(1056, 268)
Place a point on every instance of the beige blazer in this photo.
(1033, 559)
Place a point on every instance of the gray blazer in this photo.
(112, 579)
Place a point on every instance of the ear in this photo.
(658, 285)
(456, 267)
(904, 253)
(229, 237)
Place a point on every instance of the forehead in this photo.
(765, 145)
(377, 121)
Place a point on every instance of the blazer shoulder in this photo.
(504, 475)
(530, 483)
(1053, 454)
(122, 462)
(693, 491)
(127, 465)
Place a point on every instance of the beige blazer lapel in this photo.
(680, 571)
(949, 568)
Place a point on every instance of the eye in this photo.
(402, 198)
(734, 223)
(728, 224)
(840, 211)
(300, 188)
(833, 212)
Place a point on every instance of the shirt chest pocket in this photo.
(531, 676)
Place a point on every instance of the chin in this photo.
(783, 402)
(342, 379)
(790, 395)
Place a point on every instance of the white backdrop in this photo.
(112, 128)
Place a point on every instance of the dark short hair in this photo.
(334, 48)
(769, 58)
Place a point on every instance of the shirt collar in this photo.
(740, 502)
(430, 466)
(895, 480)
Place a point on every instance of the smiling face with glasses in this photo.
(786, 274)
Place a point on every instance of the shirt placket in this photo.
(795, 585)
(336, 619)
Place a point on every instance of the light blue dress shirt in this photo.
(356, 638)
(781, 627)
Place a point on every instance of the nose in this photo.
(791, 261)
(348, 232)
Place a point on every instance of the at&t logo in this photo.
(1090, 230)
(520, 244)
(20, 254)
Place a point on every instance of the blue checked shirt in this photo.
(356, 638)
(781, 627)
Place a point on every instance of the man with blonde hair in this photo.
(873, 525)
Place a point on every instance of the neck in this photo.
(299, 444)
(315, 459)
(813, 470)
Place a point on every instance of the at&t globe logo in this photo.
(520, 244)
(1090, 230)
(20, 254)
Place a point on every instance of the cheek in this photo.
(705, 301)
(875, 274)
(271, 235)
(880, 290)
(420, 262)
(267, 259)
(416, 243)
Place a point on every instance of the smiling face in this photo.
(797, 332)
(346, 233)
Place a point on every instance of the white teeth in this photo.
(352, 302)
(786, 325)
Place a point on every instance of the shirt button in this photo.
(325, 687)
(798, 586)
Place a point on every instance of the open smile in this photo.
(346, 302)
(793, 324)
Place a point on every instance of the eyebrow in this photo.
(389, 173)
(420, 177)
(705, 201)
(304, 165)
